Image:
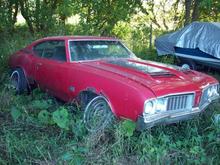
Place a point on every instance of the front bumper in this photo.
(171, 117)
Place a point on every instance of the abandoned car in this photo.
(107, 80)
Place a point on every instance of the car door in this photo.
(51, 68)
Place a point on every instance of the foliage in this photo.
(60, 117)
(44, 116)
(209, 10)
(96, 18)
(128, 127)
(15, 113)
(8, 14)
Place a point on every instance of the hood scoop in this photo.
(151, 70)
(162, 74)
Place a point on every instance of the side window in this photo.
(53, 50)
(39, 48)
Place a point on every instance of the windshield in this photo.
(92, 50)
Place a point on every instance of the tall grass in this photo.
(27, 141)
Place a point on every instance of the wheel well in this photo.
(85, 96)
(18, 67)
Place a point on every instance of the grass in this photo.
(32, 133)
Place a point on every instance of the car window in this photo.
(39, 48)
(91, 50)
(53, 50)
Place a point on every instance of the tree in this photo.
(188, 4)
(39, 14)
(8, 14)
(201, 10)
(209, 10)
(100, 16)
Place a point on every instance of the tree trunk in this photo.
(187, 11)
(14, 17)
(150, 38)
(24, 13)
(195, 14)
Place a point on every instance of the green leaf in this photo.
(40, 104)
(60, 117)
(15, 113)
(128, 127)
(44, 116)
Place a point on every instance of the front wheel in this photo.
(98, 114)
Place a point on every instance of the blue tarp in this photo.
(201, 38)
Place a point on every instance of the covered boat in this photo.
(197, 43)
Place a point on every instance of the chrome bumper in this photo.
(146, 122)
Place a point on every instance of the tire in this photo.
(19, 81)
(98, 114)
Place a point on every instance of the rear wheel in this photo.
(18, 81)
(98, 114)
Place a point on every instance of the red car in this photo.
(107, 79)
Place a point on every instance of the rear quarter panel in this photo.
(23, 59)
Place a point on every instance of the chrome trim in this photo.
(180, 102)
(180, 93)
(171, 94)
(174, 114)
(208, 85)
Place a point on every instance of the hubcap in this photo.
(97, 114)
(15, 80)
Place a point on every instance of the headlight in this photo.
(161, 105)
(155, 106)
(209, 94)
(212, 91)
(149, 107)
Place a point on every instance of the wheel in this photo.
(98, 114)
(19, 81)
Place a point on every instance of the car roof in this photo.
(78, 38)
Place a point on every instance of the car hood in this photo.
(161, 79)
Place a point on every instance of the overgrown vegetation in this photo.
(38, 129)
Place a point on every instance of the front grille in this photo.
(180, 102)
